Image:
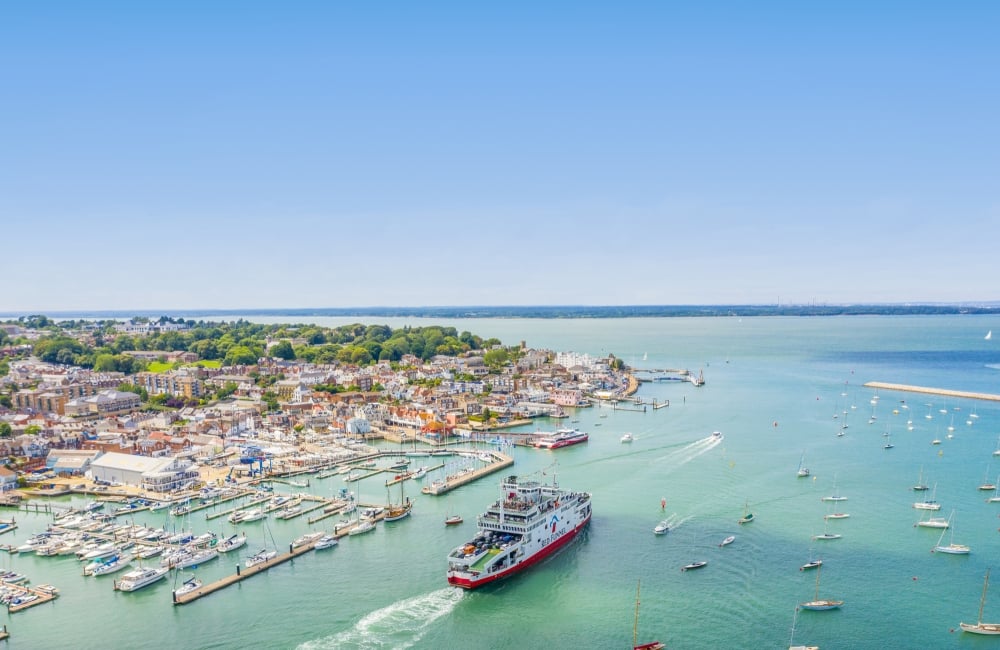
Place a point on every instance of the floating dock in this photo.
(42, 597)
(933, 391)
(242, 573)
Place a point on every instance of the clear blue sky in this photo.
(290, 154)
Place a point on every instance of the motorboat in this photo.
(811, 564)
(627, 437)
(729, 540)
(662, 528)
(453, 520)
(142, 577)
(694, 565)
(308, 538)
(326, 541)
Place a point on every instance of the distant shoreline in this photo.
(527, 311)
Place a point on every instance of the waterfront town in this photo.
(188, 422)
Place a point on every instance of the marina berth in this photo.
(529, 522)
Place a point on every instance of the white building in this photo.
(156, 474)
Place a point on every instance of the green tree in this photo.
(495, 358)
(5, 430)
(283, 350)
(240, 355)
(32, 430)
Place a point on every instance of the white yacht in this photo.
(139, 578)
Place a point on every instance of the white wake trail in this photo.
(689, 452)
(400, 625)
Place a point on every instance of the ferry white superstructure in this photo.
(528, 523)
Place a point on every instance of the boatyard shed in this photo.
(70, 461)
(159, 474)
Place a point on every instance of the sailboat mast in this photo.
(635, 625)
(982, 600)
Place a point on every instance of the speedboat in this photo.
(662, 528)
(694, 565)
(453, 520)
(729, 540)
(627, 437)
(811, 564)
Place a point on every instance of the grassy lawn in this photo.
(213, 363)
(159, 366)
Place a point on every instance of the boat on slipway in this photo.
(529, 522)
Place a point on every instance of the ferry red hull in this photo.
(562, 443)
(465, 583)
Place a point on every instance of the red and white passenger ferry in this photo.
(562, 438)
(528, 523)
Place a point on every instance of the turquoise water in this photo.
(387, 589)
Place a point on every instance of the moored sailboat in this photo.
(928, 504)
(817, 604)
(979, 627)
(652, 645)
(952, 548)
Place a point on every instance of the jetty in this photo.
(242, 573)
(40, 596)
(500, 461)
(933, 391)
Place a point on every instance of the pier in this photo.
(40, 597)
(933, 391)
(500, 462)
(242, 573)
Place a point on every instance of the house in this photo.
(8, 479)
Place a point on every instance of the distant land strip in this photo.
(933, 391)
(547, 311)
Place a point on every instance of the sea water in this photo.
(772, 386)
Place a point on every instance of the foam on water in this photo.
(689, 452)
(400, 625)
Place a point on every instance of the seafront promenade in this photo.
(933, 391)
